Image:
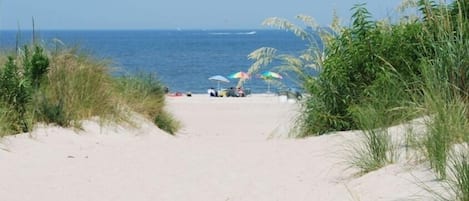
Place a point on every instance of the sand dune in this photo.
(228, 149)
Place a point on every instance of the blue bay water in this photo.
(182, 60)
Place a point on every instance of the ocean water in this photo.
(182, 60)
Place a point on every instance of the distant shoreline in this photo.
(133, 30)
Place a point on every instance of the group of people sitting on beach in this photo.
(230, 92)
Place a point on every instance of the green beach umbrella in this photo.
(268, 75)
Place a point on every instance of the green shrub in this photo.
(19, 80)
(356, 59)
(16, 95)
(35, 65)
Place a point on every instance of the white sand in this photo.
(229, 149)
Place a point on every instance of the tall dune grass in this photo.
(459, 174)
(77, 87)
(375, 148)
(144, 94)
(445, 81)
(374, 74)
(74, 87)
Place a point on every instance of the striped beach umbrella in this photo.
(268, 75)
(239, 75)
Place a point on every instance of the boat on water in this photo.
(234, 33)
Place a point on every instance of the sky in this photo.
(174, 14)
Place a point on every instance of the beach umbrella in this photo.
(218, 79)
(268, 75)
(239, 75)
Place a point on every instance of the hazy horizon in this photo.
(173, 14)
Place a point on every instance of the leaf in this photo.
(288, 26)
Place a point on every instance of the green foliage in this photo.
(459, 172)
(374, 74)
(50, 112)
(4, 128)
(350, 62)
(68, 87)
(374, 114)
(166, 122)
(16, 95)
(356, 61)
(17, 79)
(77, 87)
(460, 10)
(375, 149)
(144, 94)
(304, 66)
(36, 65)
(448, 126)
(444, 75)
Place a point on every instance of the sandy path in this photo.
(240, 145)
(228, 149)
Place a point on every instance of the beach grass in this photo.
(374, 74)
(144, 94)
(459, 174)
(375, 148)
(69, 86)
(444, 78)
(77, 87)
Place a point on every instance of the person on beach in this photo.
(211, 92)
(240, 92)
(231, 92)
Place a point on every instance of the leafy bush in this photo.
(18, 84)
(357, 61)
(16, 95)
(36, 65)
